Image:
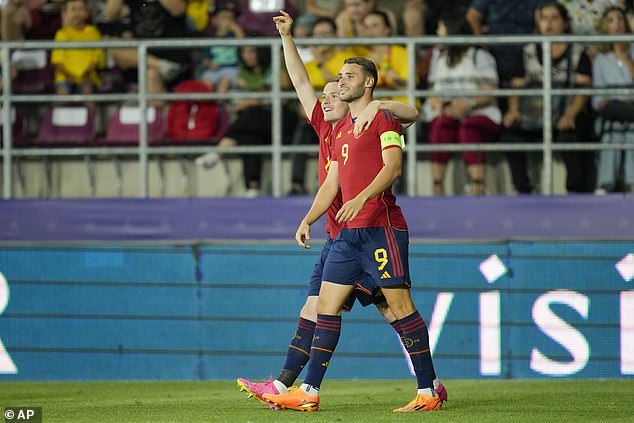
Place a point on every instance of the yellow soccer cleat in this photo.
(295, 399)
(422, 402)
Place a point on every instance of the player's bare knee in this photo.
(326, 306)
(401, 308)
(309, 311)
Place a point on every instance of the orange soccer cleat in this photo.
(422, 402)
(295, 399)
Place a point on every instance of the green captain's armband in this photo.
(390, 139)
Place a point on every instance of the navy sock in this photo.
(416, 341)
(298, 352)
(325, 341)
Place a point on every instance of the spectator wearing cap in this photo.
(220, 63)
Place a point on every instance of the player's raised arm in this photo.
(294, 64)
(405, 113)
(323, 199)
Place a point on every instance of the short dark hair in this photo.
(367, 65)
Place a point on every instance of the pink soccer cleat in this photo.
(441, 392)
(257, 389)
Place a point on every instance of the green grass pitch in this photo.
(535, 401)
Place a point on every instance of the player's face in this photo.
(334, 109)
(352, 82)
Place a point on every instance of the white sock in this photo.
(436, 383)
(282, 389)
(427, 391)
(310, 389)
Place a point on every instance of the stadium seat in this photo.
(123, 127)
(67, 126)
(18, 128)
(35, 73)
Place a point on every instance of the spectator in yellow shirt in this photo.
(391, 60)
(327, 59)
(76, 69)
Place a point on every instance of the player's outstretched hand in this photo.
(365, 118)
(283, 23)
(303, 234)
(350, 210)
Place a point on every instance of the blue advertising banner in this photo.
(494, 310)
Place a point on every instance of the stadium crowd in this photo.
(443, 119)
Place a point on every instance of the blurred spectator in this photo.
(499, 17)
(76, 69)
(323, 8)
(327, 59)
(315, 9)
(220, 66)
(253, 123)
(301, 30)
(471, 120)
(410, 15)
(435, 9)
(154, 19)
(413, 17)
(30, 20)
(350, 20)
(391, 60)
(629, 12)
(585, 15)
(198, 15)
(614, 67)
(571, 67)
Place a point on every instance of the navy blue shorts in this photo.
(366, 291)
(378, 252)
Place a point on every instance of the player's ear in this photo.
(369, 81)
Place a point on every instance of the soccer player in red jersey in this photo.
(373, 240)
(324, 116)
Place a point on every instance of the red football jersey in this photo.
(324, 131)
(360, 160)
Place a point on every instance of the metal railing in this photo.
(275, 95)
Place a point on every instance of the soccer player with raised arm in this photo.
(324, 116)
(373, 240)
